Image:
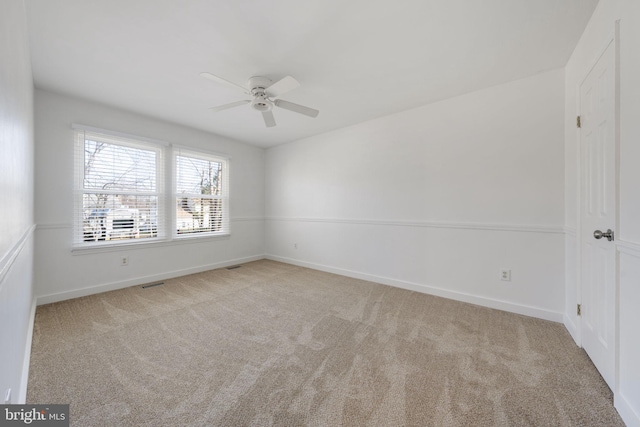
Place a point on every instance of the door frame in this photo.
(612, 39)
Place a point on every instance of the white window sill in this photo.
(147, 243)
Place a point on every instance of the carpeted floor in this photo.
(276, 344)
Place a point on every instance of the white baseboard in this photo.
(76, 293)
(628, 415)
(432, 290)
(571, 328)
(24, 381)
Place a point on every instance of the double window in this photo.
(127, 191)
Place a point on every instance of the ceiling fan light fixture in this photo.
(261, 103)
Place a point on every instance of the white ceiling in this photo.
(355, 59)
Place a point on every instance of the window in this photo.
(120, 192)
(201, 193)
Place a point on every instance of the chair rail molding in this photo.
(527, 228)
(7, 261)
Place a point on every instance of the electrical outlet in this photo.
(7, 397)
(505, 275)
(295, 246)
(124, 261)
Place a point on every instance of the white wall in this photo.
(600, 27)
(16, 200)
(437, 199)
(61, 274)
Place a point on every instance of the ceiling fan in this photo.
(264, 93)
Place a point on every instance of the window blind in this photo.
(119, 185)
(201, 193)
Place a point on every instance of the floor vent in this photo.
(152, 285)
(233, 267)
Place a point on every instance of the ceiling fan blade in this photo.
(296, 108)
(231, 105)
(269, 120)
(224, 82)
(282, 86)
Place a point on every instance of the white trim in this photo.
(76, 293)
(578, 200)
(24, 382)
(616, 142)
(247, 219)
(431, 290)
(628, 248)
(7, 261)
(55, 226)
(145, 243)
(68, 225)
(571, 327)
(76, 126)
(569, 321)
(184, 238)
(610, 39)
(526, 228)
(628, 415)
(199, 152)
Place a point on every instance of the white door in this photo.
(598, 215)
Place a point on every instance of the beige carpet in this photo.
(275, 344)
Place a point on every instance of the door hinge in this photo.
(579, 310)
(578, 122)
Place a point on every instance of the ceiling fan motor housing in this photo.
(258, 86)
